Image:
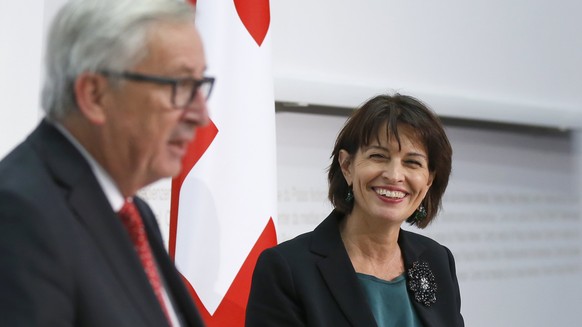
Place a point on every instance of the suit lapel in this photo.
(183, 304)
(411, 253)
(339, 274)
(94, 212)
(100, 220)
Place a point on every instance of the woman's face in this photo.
(388, 183)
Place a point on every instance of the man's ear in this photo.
(345, 162)
(89, 90)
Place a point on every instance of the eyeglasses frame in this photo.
(138, 77)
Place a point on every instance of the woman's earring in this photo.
(420, 214)
(350, 196)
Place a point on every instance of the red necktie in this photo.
(133, 223)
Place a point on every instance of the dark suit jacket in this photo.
(310, 281)
(65, 258)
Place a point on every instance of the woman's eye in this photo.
(377, 156)
(414, 163)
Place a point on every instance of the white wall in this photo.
(514, 61)
(21, 33)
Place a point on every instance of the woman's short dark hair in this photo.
(391, 111)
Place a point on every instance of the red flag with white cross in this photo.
(224, 201)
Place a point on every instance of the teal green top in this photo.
(389, 301)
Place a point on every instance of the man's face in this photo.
(143, 129)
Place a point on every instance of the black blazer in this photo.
(310, 281)
(65, 258)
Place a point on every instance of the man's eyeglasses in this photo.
(184, 90)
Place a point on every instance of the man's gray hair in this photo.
(94, 35)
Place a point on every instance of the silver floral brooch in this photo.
(422, 283)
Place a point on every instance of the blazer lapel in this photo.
(94, 212)
(182, 300)
(339, 274)
(411, 253)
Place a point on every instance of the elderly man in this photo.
(125, 91)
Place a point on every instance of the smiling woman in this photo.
(390, 164)
(388, 178)
(402, 121)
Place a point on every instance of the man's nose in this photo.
(197, 112)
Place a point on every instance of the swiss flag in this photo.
(224, 201)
